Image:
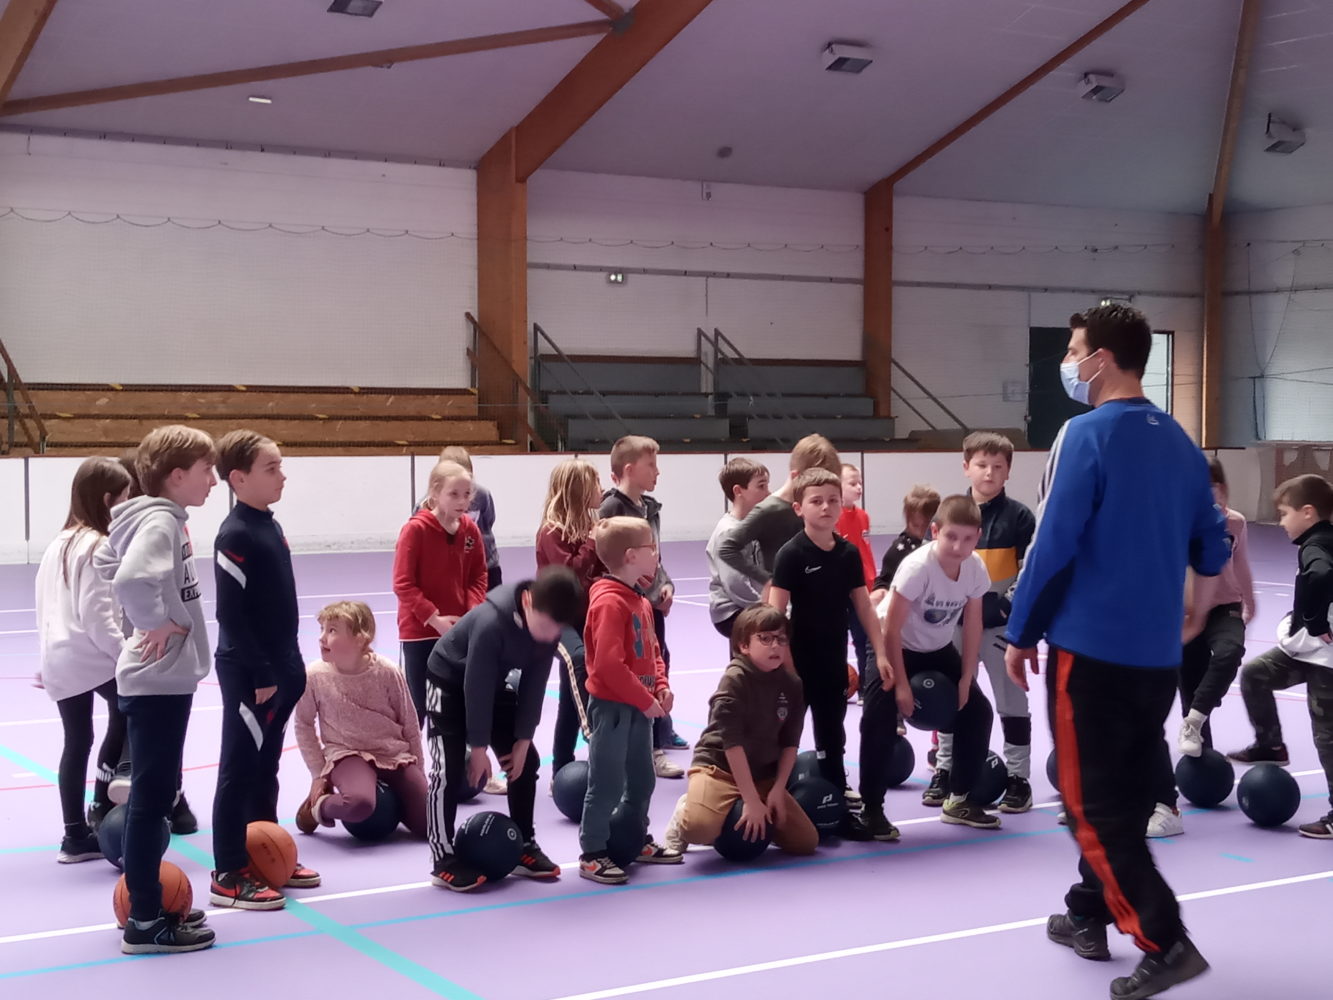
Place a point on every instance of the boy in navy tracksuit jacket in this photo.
(259, 667)
(1126, 504)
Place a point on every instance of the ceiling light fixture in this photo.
(1100, 87)
(1281, 137)
(846, 57)
(357, 8)
(257, 99)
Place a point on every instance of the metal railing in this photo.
(518, 398)
(538, 375)
(726, 352)
(21, 412)
(929, 395)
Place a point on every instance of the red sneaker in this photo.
(244, 891)
(303, 878)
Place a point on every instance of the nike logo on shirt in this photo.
(813, 569)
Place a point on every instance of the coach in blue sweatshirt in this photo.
(1125, 506)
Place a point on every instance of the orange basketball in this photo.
(853, 681)
(272, 852)
(177, 895)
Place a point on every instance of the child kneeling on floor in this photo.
(749, 747)
(368, 729)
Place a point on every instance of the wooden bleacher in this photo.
(304, 420)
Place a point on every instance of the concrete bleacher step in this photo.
(583, 432)
(194, 402)
(615, 374)
(799, 406)
(831, 378)
(833, 428)
(951, 438)
(72, 432)
(631, 404)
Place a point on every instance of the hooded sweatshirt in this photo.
(149, 560)
(1301, 633)
(617, 504)
(476, 655)
(622, 654)
(761, 711)
(435, 572)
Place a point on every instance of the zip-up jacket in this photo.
(622, 655)
(1006, 531)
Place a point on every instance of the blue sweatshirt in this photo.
(257, 613)
(1125, 505)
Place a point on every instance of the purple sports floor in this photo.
(947, 911)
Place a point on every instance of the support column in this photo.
(877, 297)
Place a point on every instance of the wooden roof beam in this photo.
(20, 24)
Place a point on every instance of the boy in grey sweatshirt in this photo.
(150, 562)
(744, 484)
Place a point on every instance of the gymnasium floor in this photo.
(946, 910)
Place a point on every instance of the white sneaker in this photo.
(496, 786)
(1190, 741)
(664, 768)
(1165, 822)
(671, 839)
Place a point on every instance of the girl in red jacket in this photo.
(565, 539)
(439, 571)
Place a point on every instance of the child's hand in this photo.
(777, 807)
(667, 700)
(654, 711)
(517, 757)
(885, 670)
(478, 767)
(664, 602)
(153, 644)
(964, 692)
(906, 704)
(753, 819)
(1247, 614)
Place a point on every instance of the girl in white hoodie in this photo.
(80, 639)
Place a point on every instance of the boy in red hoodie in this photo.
(627, 688)
(439, 571)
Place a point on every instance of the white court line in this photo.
(39, 722)
(871, 949)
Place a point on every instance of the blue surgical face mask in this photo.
(1075, 388)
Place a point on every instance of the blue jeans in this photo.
(155, 726)
(620, 769)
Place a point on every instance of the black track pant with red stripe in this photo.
(1107, 722)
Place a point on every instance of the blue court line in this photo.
(321, 923)
(1237, 857)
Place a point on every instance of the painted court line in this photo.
(886, 946)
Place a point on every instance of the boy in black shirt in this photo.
(817, 573)
(259, 667)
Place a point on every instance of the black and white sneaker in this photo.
(1086, 937)
(938, 789)
(533, 863)
(191, 920)
(602, 870)
(1158, 973)
(879, 826)
(852, 796)
(967, 813)
(1320, 829)
(165, 935)
(1017, 795)
(118, 791)
(1255, 754)
(183, 821)
(76, 849)
(654, 853)
(456, 875)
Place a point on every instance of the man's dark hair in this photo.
(556, 592)
(1120, 330)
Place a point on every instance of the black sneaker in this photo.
(601, 869)
(191, 920)
(1320, 829)
(183, 822)
(1255, 754)
(1086, 937)
(118, 790)
(932, 755)
(853, 827)
(967, 813)
(852, 796)
(938, 789)
(76, 849)
(1017, 795)
(243, 891)
(533, 863)
(879, 826)
(654, 853)
(165, 935)
(1157, 973)
(456, 875)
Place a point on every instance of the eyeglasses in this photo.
(771, 638)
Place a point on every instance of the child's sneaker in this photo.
(191, 920)
(183, 822)
(1086, 937)
(1320, 829)
(533, 863)
(497, 785)
(677, 742)
(243, 891)
(663, 767)
(456, 875)
(852, 796)
(165, 935)
(602, 870)
(853, 827)
(118, 790)
(938, 789)
(303, 878)
(1017, 795)
(672, 838)
(967, 813)
(1165, 821)
(1190, 741)
(879, 826)
(654, 853)
(76, 849)
(1255, 754)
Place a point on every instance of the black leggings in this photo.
(76, 716)
(571, 717)
(972, 727)
(415, 654)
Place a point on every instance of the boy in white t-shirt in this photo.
(935, 586)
